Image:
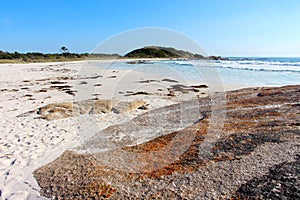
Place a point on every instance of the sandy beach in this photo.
(36, 128)
(28, 142)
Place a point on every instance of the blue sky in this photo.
(226, 28)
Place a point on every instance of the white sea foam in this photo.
(245, 65)
(259, 65)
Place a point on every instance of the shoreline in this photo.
(86, 60)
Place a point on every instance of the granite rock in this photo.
(71, 109)
(260, 137)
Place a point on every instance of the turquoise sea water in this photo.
(238, 71)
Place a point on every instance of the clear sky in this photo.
(221, 27)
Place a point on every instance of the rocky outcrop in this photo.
(71, 109)
(56, 111)
(282, 181)
(260, 137)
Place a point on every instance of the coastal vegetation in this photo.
(6, 57)
(16, 57)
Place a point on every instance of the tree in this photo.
(64, 49)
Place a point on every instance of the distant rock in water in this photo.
(216, 58)
(138, 62)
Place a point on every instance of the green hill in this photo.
(151, 52)
(161, 52)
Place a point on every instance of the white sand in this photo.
(27, 143)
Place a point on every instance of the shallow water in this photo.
(236, 71)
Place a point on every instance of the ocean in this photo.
(241, 71)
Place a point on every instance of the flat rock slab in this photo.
(72, 109)
(256, 156)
